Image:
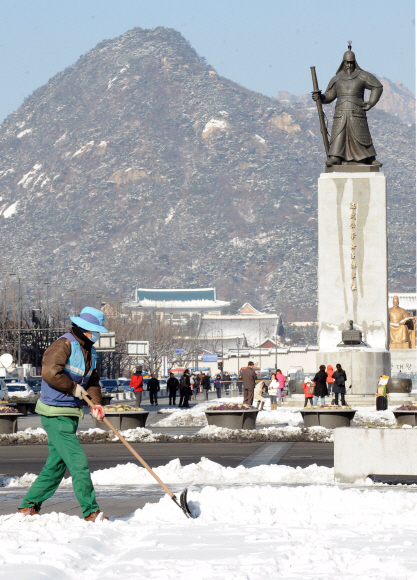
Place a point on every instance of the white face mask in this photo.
(94, 336)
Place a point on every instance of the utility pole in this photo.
(152, 340)
(238, 356)
(260, 352)
(276, 353)
(19, 301)
(170, 338)
(47, 312)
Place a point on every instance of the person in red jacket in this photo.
(136, 385)
(308, 397)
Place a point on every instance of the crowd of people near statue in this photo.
(326, 382)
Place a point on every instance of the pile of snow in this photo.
(204, 472)
(206, 434)
(244, 532)
(370, 417)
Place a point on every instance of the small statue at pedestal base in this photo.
(401, 336)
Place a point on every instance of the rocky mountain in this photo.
(140, 164)
(396, 100)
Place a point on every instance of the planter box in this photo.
(331, 419)
(407, 417)
(8, 423)
(242, 419)
(123, 420)
(361, 452)
(105, 399)
(23, 407)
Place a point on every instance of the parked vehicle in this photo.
(17, 389)
(121, 380)
(126, 385)
(34, 383)
(110, 385)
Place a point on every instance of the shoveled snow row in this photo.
(206, 471)
(209, 433)
(242, 532)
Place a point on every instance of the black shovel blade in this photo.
(183, 503)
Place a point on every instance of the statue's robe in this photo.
(350, 138)
(398, 334)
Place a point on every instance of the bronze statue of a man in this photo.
(351, 140)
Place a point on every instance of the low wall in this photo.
(361, 452)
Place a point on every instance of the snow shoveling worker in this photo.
(68, 372)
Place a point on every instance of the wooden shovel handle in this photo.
(138, 457)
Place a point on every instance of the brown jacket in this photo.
(248, 378)
(54, 361)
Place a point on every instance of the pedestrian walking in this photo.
(196, 386)
(239, 383)
(320, 388)
(281, 379)
(260, 389)
(205, 384)
(329, 380)
(273, 390)
(153, 388)
(185, 389)
(218, 386)
(172, 385)
(248, 380)
(227, 381)
(68, 372)
(339, 386)
(308, 392)
(136, 385)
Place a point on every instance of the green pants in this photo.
(64, 451)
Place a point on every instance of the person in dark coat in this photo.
(248, 379)
(185, 389)
(339, 385)
(205, 384)
(172, 384)
(320, 389)
(218, 386)
(153, 388)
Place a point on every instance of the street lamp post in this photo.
(276, 353)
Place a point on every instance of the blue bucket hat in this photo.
(90, 319)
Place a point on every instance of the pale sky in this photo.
(264, 45)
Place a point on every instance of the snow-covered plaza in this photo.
(267, 521)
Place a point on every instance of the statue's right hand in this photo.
(316, 96)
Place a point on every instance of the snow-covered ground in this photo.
(239, 532)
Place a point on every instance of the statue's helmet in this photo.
(349, 56)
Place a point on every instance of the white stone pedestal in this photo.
(353, 275)
(363, 367)
(362, 452)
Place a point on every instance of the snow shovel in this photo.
(183, 497)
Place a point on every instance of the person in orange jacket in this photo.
(330, 379)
